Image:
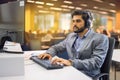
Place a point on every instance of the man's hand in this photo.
(45, 55)
(62, 61)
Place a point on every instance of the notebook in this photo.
(12, 47)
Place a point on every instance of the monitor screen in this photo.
(12, 13)
(12, 20)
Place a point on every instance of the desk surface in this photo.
(34, 71)
(116, 55)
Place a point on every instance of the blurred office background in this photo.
(39, 24)
(52, 18)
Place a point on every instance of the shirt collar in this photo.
(87, 33)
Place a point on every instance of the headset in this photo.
(86, 15)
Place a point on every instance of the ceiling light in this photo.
(102, 12)
(84, 5)
(98, 1)
(54, 0)
(68, 2)
(30, 1)
(95, 7)
(71, 7)
(64, 6)
(38, 2)
(113, 11)
(78, 8)
(40, 6)
(42, 11)
(50, 4)
(55, 8)
(66, 9)
(112, 4)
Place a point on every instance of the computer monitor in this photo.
(12, 20)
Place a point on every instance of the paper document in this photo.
(12, 47)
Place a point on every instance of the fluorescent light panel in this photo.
(112, 4)
(54, 0)
(98, 1)
(95, 7)
(113, 11)
(55, 8)
(30, 1)
(66, 9)
(84, 5)
(50, 4)
(38, 2)
(40, 6)
(71, 7)
(42, 11)
(78, 8)
(68, 2)
(103, 12)
(64, 6)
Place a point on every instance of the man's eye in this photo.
(78, 20)
(73, 20)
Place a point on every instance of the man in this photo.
(86, 49)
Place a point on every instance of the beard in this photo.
(78, 30)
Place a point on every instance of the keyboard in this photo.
(45, 63)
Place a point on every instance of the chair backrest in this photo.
(106, 65)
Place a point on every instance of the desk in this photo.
(34, 71)
(116, 58)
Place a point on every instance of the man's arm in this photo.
(57, 48)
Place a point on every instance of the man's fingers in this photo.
(44, 56)
(54, 61)
(41, 56)
(50, 58)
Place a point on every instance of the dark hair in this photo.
(3, 39)
(105, 32)
(86, 16)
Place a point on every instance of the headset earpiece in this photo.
(88, 19)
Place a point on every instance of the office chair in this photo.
(3, 39)
(105, 69)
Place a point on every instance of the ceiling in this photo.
(100, 6)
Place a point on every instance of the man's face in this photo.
(77, 23)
